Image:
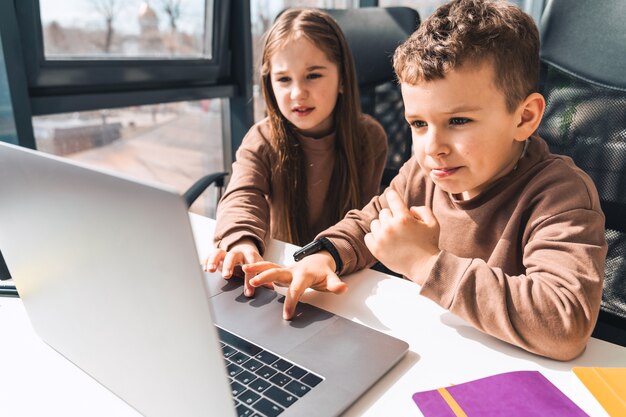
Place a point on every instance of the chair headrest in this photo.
(586, 38)
(373, 34)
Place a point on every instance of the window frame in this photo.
(65, 85)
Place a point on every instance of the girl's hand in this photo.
(243, 252)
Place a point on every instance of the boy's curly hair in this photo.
(471, 31)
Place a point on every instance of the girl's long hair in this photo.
(344, 191)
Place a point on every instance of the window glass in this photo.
(262, 14)
(173, 143)
(426, 7)
(127, 28)
(7, 125)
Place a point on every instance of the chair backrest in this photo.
(4, 269)
(583, 77)
(373, 34)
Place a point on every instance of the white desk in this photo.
(37, 381)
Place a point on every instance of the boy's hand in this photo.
(405, 240)
(316, 271)
(243, 252)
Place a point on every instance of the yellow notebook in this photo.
(608, 385)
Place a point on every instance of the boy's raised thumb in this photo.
(424, 214)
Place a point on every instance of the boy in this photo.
(489, 223)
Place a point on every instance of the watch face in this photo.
(308, 249)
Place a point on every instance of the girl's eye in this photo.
(418, 123)
(313, 76)
(459, 120)
(283, 79)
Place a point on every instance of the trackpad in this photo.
(260, 319)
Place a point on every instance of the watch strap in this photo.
(316, 246)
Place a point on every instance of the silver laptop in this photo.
(110, 278)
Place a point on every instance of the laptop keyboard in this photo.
(262, 383)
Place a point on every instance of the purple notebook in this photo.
(512, 394)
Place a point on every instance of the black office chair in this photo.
(373, 34)
(202, 184)
(583, 77)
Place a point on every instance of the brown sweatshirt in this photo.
(523, 261)
(247, 207)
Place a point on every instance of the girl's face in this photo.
(306, 85)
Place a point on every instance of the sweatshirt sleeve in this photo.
(348, 235)
(243, 211)
(549, 310)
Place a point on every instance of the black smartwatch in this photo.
(316, 246)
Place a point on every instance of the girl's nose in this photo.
(298, 91)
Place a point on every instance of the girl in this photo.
(313, 158)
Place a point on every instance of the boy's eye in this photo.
(459, 120)
(418, 123)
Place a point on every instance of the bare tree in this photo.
(109, 9)
(172, 9)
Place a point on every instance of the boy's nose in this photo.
(434, 143)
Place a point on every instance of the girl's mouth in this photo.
(303, 111)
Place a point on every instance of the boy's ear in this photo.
(529, 113)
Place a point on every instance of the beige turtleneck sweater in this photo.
(247, 207)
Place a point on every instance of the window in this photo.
(135, 86)
(426, 7)
(164, 143)
(7, 125)
(101, 29)
(79, 46)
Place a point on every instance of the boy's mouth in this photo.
(443, 172)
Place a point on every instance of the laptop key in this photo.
(281, 365)
(266, 372)
(228, 351)
(243, 411)
(239, 358)
(245, 377)
(233, 369)
(283, 398)
(248, 397)
(297, 388)
(280, 379)
(311, 380)
(236, 388)
(252, 365)
(267, 408)
(259, 385)
(239, 343)
(295, 372)
(266, 357)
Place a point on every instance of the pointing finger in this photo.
(397, 206)
(424, 214)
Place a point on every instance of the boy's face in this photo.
(463, 134)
